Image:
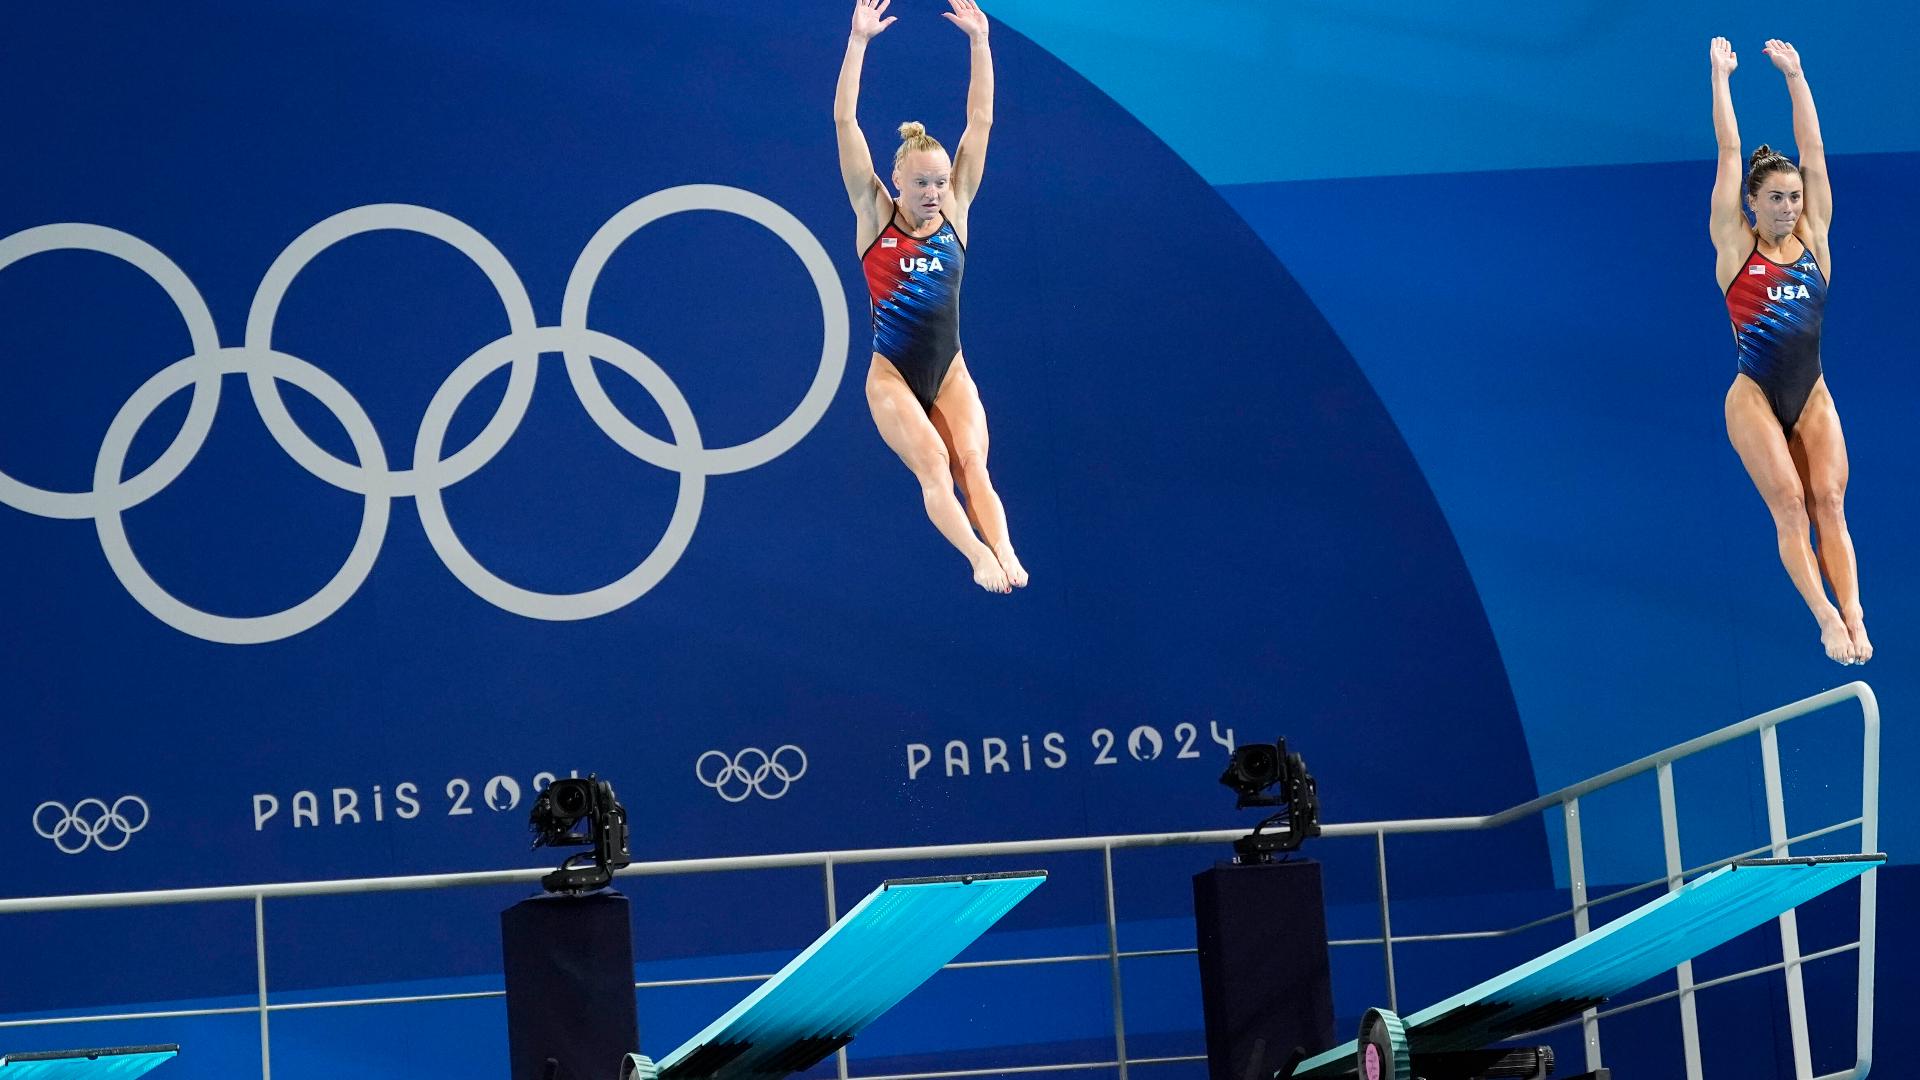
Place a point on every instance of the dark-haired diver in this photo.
(913, 249)
(1780, 416)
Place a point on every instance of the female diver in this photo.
(913, 249)
(1780, 417)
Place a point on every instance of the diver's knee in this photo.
(1789, 509)
(931, 466)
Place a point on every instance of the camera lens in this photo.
(1259, 763)
(570, 798)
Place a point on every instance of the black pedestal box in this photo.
(1265, 981)
(570, 1007)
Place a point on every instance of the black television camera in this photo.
(588, 804)
(1252, 771)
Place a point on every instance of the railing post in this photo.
(1577, 877)
(1789, 923)
(1670, 833)
(1869, 882)
(260, 964)
(833, 916)
(1113, 954)
(1386, 919)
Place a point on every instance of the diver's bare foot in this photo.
(1835, 638)
(1016, 574)
(1857, 630)
(988, 574)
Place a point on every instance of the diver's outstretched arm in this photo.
(971, 158)
(856, 160)
(1816, 208)
(1727, 222)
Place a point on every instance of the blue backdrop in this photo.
(1306, 421)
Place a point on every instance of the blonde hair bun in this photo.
(914, 137)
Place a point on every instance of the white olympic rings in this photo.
(430, 472)
(746, 773)
(90, 820)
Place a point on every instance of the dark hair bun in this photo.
(1764, 162)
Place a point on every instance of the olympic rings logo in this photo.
(748, 772)
(91, 823)
(432, 470)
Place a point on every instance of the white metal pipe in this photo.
(1386, 921)
(1870, 881)
(260, 963)
(1676, 877)
(1113, 948)
(1577, 877)
(1789, 919)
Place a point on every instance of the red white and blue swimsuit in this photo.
(1776, 311)
(914, 283)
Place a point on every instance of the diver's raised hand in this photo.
(1720, 53)
(1784, 56)
(967, 16)
(867, 22)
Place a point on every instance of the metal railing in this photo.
(1566, 801)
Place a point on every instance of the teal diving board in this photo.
(1706, 912)
(114, 1064)
(878, 953)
